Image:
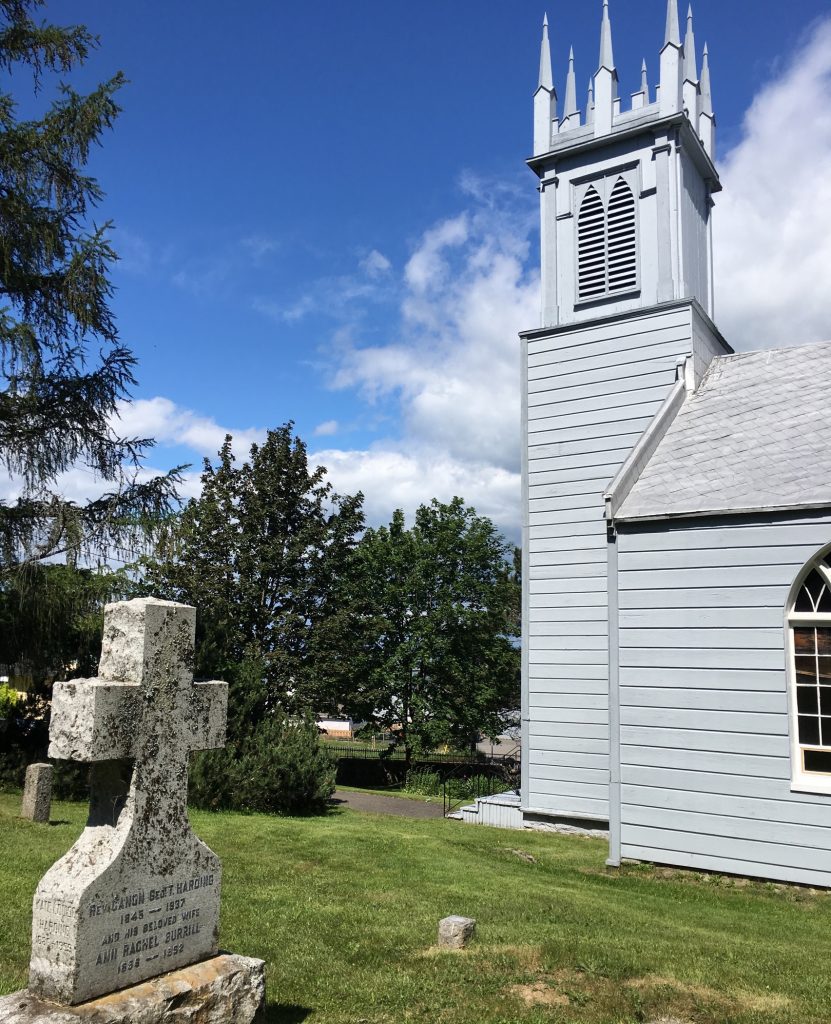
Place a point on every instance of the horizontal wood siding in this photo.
(705, 750)
(591, 392)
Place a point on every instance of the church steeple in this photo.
(545, 98)
(626, 207)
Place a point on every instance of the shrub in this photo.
(423, 782)
(9, 700)
(279, 767)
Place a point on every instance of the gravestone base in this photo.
(227, 989)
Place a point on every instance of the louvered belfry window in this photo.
(607, 240)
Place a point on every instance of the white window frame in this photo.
(802, 781)
(603, 184)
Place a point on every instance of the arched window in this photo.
(809, 630)
(607, 240)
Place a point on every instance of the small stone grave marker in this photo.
(455, 932)
(37, 793)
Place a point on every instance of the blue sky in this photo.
(323, 214)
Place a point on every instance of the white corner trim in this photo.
(630, 472)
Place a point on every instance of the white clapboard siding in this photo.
(581, 453)
(591, 392)
(705, 748)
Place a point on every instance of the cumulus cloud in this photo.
(391, 478)
(171, 424)
(772, 223)
(453, 363)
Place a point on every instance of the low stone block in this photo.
(37, 793)
(455, 932)
(226, 989)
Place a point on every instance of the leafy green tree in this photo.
(435, 614)
(63, 370)
(260, 554)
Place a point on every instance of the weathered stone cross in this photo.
(138, 894)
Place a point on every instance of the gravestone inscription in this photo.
(138, 893)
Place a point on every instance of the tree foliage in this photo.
(51, 620)
(63, 370)
(435, 612)
(260, 554)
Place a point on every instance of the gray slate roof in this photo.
(755, 435)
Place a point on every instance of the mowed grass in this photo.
(344, 910)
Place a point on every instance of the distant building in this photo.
(677, 535)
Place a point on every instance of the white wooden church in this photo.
(677, 534)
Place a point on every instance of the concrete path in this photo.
(378, 804)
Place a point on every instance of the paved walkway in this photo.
(378, 804)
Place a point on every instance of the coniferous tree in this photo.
(63, 369)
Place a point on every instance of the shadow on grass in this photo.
(284, 1013)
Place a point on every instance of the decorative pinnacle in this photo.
(644, 79)
(673, 32)
(607, 59)
(546, 77)
(571, 88)
(706, 91)
(590, 101)
(690, 62)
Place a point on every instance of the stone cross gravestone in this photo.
(138, 893)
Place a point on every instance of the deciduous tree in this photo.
(434, 618)
(261, 554)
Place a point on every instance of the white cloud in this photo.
(171, 424)
(393, 478)
(453, 363)
(773, 221)
(375, 264)
(327, 428)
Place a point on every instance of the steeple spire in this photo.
(673, 32)
(590, 102)
(545, 98)
(571, 112)
(546, 77)
(672, 76)
(706, 89)
(641, 98)
(706, 118)
(690, 62)
(607, 59)
(690, 88)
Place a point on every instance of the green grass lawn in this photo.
(344, 910)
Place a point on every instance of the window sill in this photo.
(819, 786)
(607, 300)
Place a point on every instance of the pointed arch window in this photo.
(809, 634)
(607, 239)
